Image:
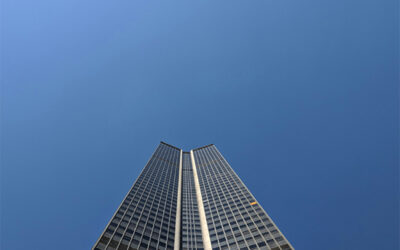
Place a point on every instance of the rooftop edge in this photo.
(209, 145)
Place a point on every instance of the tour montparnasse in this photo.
(190, 200)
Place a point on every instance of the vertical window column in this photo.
(178, 207)
(202, 214)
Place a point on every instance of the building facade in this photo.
(190, 200)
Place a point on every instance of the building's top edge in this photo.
(209, 145)
(186, 151)
(170, 145)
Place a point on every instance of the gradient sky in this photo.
(300, 96)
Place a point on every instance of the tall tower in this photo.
(190, 200)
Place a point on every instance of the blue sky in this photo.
(301, 97)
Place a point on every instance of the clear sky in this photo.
(300, 96)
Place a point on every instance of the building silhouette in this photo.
(190, 200)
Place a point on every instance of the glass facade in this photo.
(146, 218)
(235, 219)
(232, 218)
(190, 224)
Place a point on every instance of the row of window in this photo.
(191, 228)
(146, 218)
(234, 220)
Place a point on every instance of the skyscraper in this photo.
(190, 200)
